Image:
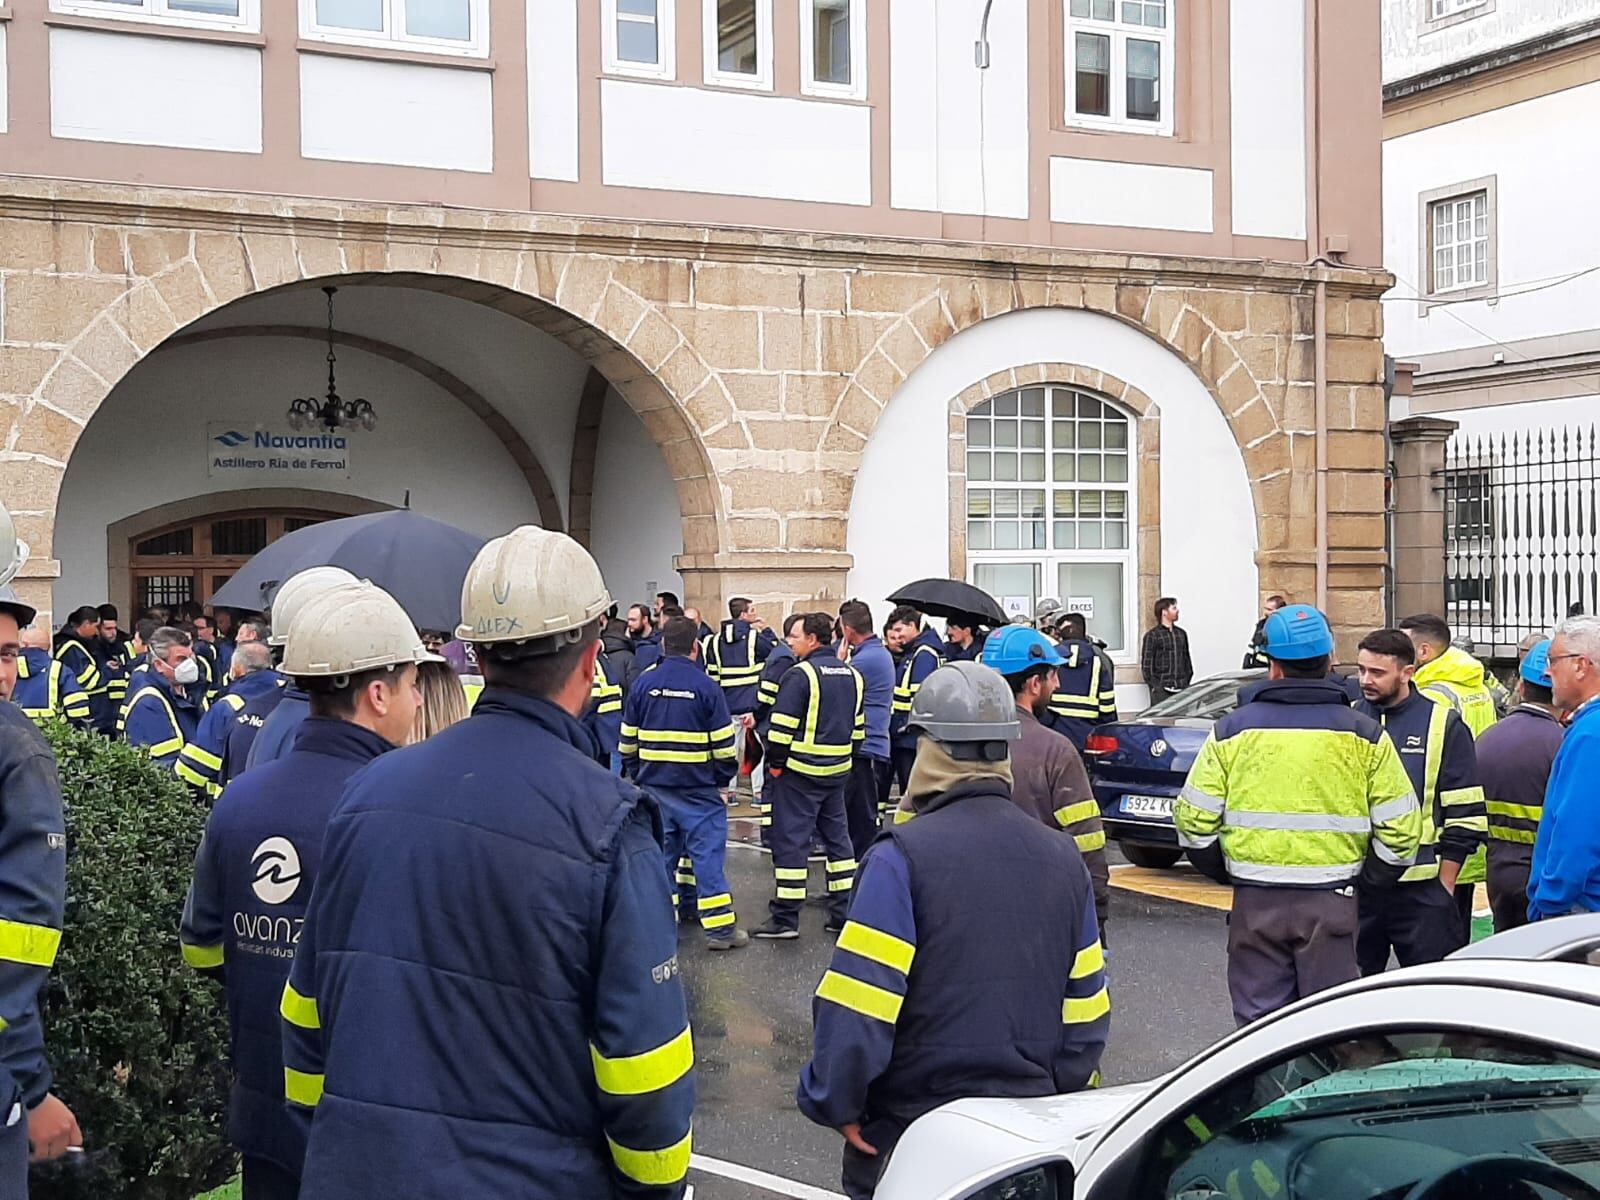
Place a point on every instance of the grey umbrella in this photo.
(419, 561)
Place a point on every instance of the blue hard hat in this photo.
(1535, 666)
(1298, 631)
(1013, 649)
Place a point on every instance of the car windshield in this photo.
(1208, 700)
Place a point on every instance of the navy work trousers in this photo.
(803, 805)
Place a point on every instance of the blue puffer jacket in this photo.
(253, 878)
(485, 998)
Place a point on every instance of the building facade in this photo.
(1495, 314)
(792, 299)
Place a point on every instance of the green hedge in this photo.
(137, 1040)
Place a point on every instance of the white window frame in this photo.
(666, 42)
(761, 81)
(856, 89)
(1048, 560)
(159, 12)
(1430, 18)
(1120, 35)
(1427, 205)
(394, 37)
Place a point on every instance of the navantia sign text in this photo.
(268, 452)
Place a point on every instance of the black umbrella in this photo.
(951, 598)
(417, 560)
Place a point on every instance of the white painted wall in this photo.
(553, 89)
(1267, 76)
(1208, 532)
(403, 114)
(456, 470)
(686, 139)
(108, 87)
(1408, 51)
(958, 136)
(1091, 191)
(636, 529)
(4, 83)
(1546, 189)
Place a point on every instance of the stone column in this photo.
(780, 582)
(1419, 446)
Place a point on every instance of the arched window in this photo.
(1050, 505)
(191, 560)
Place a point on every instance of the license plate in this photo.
(1147, 806)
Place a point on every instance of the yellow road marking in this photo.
(1181, 883)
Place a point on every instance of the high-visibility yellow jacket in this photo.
(1460, 682)
(1295, 785)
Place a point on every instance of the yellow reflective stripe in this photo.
(817, 772)
(1088, 843)
(171, 745)
(823, 747)
(608, 706)
(299, 1010)
(714, 901)
(841, 885)
(791, 893)
(629, 731)
(790, 872)
(717, 920)
(841, 864)
(779, 738)
(302, 1088)
(902, 815)
(1071, 814)
(1521, 812)
(681, 756)
(1502, 833)
(636, 1074)
(189, 775)
(683, 737)
(727, 731)
(204, 757)
(32, 945)
(880, 947)
(785, 720)
(653, 1167)
(875, 1002)
(725, 752)
(202, 958)
(1088, 960)
(1092, 1008)
(77, 705)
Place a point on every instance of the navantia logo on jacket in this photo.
(276, 870)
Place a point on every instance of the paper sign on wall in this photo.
(1081, 604)
(1016, 606)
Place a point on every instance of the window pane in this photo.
(978, 502)
(1033, 435)
(1116, 435)
(1093, 94)
(977, 433)
(1066, 504)
(736, 37)
(1132, 12)
(638, 8)
(212, 8)
(1005, 503)
(1144, 80)
(978, 467)
(1116, 535)
(1005, 536)
(1064, 435)
(1005, 433)
(636, 42)
(448, 19)
(1032, 503)
(1089, 504)
(242, 535)
(977, 535)
(1088, 406)
(179, 541)
(351, 14)
(1116, 468)
(1104, 9)
(1060, 402)
(1080, 8)
(1006, 405)
(1089, 468)
(1089, 435)
(1033, 468)
(1116, 504)
(1089, 535)
(1066, 470)
(1008, 579)
(1033, 402)
(830, 41)
(1103, 582)
(1155, 14)
(1066, 535)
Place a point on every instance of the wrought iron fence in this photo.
(1521, 518)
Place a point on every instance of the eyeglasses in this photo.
(1555, 658)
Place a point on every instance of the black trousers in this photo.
(1418, 921)
(266, 1180)
(903, 757)
(1465, 894)
(1286, 943)
(868, 777)
(1508, 893)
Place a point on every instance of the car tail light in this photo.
(1101, 743)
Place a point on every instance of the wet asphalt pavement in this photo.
(751, 1013)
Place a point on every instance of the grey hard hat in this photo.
(966, 702)
(12, 603)
(1048, 606)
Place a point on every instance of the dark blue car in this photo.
(1138, 766)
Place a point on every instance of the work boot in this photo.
(774, 932)
(834, 925)
(728, 941)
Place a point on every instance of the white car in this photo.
(1477, 1078)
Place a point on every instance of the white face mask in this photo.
(186, 672)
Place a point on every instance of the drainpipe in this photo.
(1320, 350)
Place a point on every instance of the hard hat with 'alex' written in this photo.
(352, 628)
(532, 585)
(298, 590)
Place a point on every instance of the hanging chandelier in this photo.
(332, 412)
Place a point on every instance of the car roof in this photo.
(1567, 938)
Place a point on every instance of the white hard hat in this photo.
(531, 583)
(13, 551)
(297, 591)
(352, 628)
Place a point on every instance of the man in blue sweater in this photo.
(1565, 876)
(870, 767)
